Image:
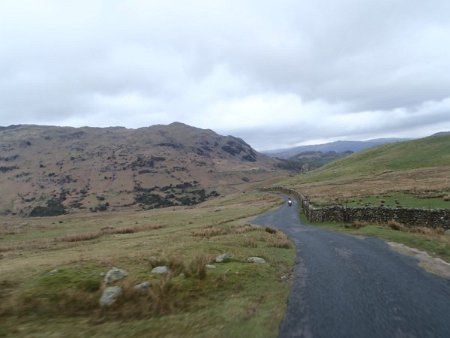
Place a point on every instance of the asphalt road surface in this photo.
(349, 286)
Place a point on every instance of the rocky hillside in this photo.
(53, 170)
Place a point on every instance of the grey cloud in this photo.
(91, 62)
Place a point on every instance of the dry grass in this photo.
(209, 231)
(129, 241)
(416, 181)
(394, 225)
(278, 239)
(43, 244)
(250, 242)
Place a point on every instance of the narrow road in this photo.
(349, 286)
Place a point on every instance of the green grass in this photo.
(402, 200)
(234, 299)
(423, 153)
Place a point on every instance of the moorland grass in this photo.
(54, 289)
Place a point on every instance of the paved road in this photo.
(347, 286)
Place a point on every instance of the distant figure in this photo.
(289, 202)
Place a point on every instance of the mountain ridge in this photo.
(48, 170)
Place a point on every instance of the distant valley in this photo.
(310, 157)
(337, 147)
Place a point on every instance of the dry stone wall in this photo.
(432, 218)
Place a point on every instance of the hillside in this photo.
(337, 146)
(49, 170)
(433, 151)
(419, 167)
(310, 160)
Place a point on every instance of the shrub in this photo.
(54, 208)
(270, 230)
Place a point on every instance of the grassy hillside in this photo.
(419, 168)
(428, 152)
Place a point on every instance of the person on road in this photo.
(289, 201)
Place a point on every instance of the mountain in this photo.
(48, 170)
(337, 146)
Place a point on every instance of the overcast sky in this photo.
(275, 73)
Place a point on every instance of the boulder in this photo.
(257, 260)
(210, 266)
(160, 269)
(144, 286)
(223, 258)
(114, 275)
(447, 232)
(110, 295)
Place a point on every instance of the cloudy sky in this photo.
(276, 73)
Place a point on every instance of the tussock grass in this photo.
(394, 225)
(279, 240)
(209, 231)
(54, 286)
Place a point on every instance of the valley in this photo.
(77, 203)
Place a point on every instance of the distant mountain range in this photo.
(337, 146)
(48, 170)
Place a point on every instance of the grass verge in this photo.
(434, 242)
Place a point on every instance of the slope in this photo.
(433, 151)
(418, 168)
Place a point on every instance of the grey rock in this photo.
(144, 286)
(160, 269)
(110, 295)
(223, 258)
(114, 275)
(447, 232)
(210, 266)
(257, 260)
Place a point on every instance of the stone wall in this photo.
(432, 218)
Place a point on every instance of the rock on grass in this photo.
(257, 260)
(110, 295)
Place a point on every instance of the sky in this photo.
(275, 73)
